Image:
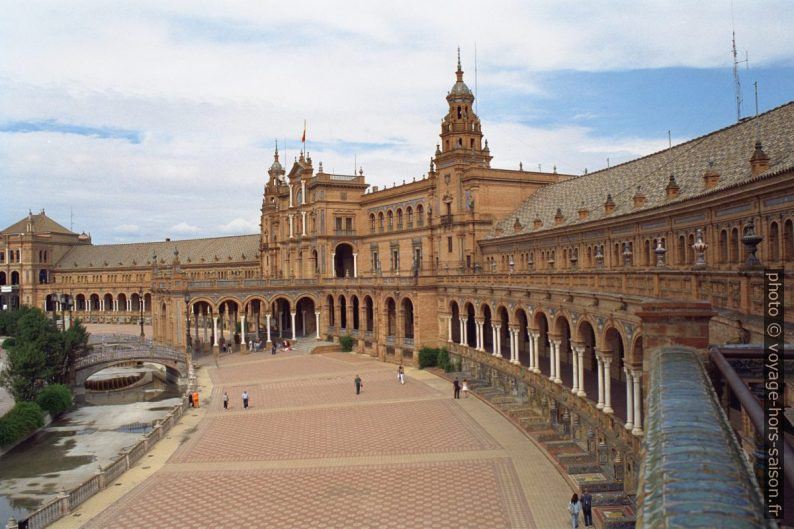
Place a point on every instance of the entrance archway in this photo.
(305, 319)
(343, 261)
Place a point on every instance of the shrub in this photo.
(347, 343)
(19, 422)
(428, 357)
(55, 399)
(443, 360)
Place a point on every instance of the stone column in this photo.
(636, 375)
(575, 370)
(291, 232)
(331, 268)
(478, 330)
(557, 369)
(514, 346)
(242, 331)
(449, 328)
(303, 222)
(536, 339)
(267, 326)
(355, 265)
(607, 386)
(600, 404)
(215, 330)
(552, 363)
(494, 339)
(290, 196)
(292, 315)
(463, 338)
(317, 323)
(629, 402)
(531, 366)
(581, 391)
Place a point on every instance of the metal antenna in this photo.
(736, 62)
(669, 139)
(757, 123)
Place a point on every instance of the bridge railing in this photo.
(65, 503)
(692, 463)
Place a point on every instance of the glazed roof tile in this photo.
(236, 249)
(729, 150)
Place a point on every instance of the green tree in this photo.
(40, 354)
(26, 371)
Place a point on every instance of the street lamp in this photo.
(140, 307)
(66, 304)
(187, 320)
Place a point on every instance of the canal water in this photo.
(71, 449)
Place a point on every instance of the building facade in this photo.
(572, 278)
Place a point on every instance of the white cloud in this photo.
(185, 228)
(207, 87)
(240, 226)
(127, 228)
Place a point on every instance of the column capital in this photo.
(316, 312)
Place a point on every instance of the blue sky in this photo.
(148, 120)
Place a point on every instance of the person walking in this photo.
(456, 386)
(587, 508)
(401, 374)
(245, 400)
(358, 383)
(465, 388)
(273, 349)
(225, 401)
(574, 508)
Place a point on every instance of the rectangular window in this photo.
(338, 222)
(349, 224)
(449, 244)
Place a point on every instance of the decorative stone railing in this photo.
(693, 473)
(604, 435)
(740, 291)
(69, 500)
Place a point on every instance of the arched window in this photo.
(399, 219)
(420, 215)
(410, 214)
(372, 222)
(390, 220)
(774, 242)
(723, 249)
(380, 221)
(735, 245)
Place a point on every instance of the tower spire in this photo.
(459, 72)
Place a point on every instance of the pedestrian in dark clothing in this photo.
(225, 401)
(456, 385)
(273, 349)
(587, 508)
(245, 400)
(358, 384)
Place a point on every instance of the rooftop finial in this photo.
(459, 72)
(276, 148)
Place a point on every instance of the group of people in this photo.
(585, 505)
(259, 345)
(226, 400)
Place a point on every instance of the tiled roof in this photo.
(41, 224)
(729, 149)
(237, 249)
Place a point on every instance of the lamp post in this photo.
(187, 325)
(140, 308)
(66, 304)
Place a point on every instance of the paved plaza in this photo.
(310, 453)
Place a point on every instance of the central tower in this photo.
(461, 133)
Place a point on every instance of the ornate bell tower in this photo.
(461, 133)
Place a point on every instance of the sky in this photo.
(137, 121)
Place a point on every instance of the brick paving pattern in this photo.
(309, 453)
(463, 495)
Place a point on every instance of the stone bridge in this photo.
(110, 350)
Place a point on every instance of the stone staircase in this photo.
(612, 508)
